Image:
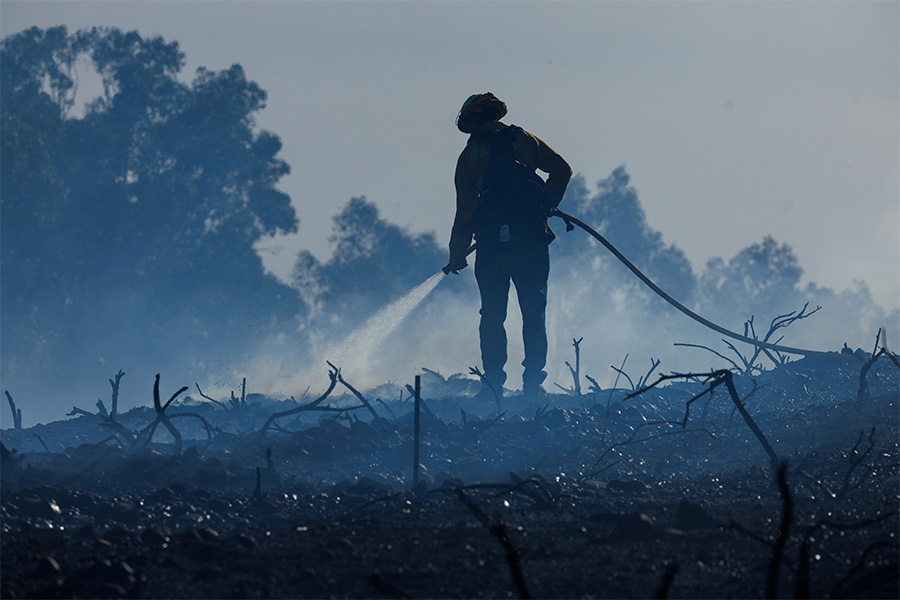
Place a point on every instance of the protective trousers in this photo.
(527, 264)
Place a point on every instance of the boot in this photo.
(531, 384)
(534, 391)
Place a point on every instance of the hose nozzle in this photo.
(448, 269)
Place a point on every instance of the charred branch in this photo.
(333, 375)
(355, 392)
(750, 365)
(278, 427)
(498, 530)
(161, 416)
(787, 517)
(621, 372)
(594, 387)
(130, 437)
(104, 415)
(756, 388)
(257, 493)
(729, 384)
(114, 408)
(16, 412)
(239, 403)
(199, 391)
(641, 380)
(101, 409)
(863, 394)
(111, 414)
(417, 429)
(41, 441)
(708, 349)
(653, 364)
(779, 322)
(575, 390)
(80, 411)
(715, 379)
(201, 418)
(666, 583)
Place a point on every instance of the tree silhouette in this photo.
(615, 211)
(753, 279)
(135, 225)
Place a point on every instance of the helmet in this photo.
(478, 109)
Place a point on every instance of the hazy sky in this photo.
(734, 119)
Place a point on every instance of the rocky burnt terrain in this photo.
(669, 493)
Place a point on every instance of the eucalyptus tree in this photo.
(128, 231)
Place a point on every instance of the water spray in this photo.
(356, 348)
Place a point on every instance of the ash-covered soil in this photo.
(567, 497)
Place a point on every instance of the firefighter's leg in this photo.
(492, 275)
(531, 270)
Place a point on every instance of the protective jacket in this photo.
(472, 167)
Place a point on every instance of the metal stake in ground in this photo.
(418, 404)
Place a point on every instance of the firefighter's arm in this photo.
(558, 170)
(461, 235)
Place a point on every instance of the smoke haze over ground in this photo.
(129, 236)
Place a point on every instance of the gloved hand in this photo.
(456, 264)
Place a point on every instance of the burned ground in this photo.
(596, 495)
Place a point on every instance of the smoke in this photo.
(364, 352)
(592, 297)
(425, 320)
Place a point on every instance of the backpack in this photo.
(511, 198)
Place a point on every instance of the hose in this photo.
(572, 221)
